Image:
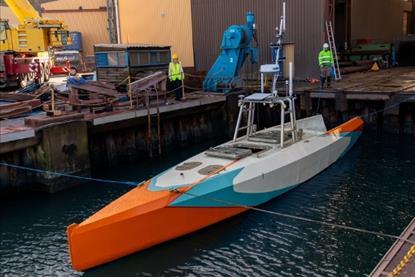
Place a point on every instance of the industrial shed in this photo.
(305, 24)
(353, 20)
(88, 17)
(158, 22)
(194, 28)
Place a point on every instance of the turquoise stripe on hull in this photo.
(221, 187)
(354, 137)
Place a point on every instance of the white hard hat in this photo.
(325, 45)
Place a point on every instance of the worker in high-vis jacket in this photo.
(176, 76)
(326, 62)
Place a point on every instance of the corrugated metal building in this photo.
(88, 17)
(305, 24)
(379, 20)
(194, 28)
(158, 22)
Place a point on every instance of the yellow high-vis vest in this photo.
(176, 71)
(325, 58)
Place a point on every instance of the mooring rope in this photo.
(68, 175)
(231, 203)
(409, 98)
(274, 213)
(366, 116)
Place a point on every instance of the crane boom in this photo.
(22, 9)
(26, 50)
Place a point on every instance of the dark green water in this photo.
(373, 187)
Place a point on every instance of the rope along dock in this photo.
(402, 239)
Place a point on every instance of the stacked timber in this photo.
(103, 96)
(95, 96)
(21, 102)
(18, 108)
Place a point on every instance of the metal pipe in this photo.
(292, 119)
(284, 14)
(117, 21)
(282, 124)
(253, 129)
(248, 130)
(251, 125)
(290, 79)
(238, 123)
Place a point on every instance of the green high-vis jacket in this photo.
(176, 71)
(325, 58)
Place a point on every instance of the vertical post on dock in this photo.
(149, 133)
(53, 101)
(158, 121)
(130, 93)
(290, 79)
(183, 95)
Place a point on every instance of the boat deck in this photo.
(400, 258)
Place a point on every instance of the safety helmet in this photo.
(174, 56)
(326, 46)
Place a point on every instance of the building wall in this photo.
(305, 28)
(378, 20)
(88, 17)
(159, 22)
(73, 4)
(6, 13)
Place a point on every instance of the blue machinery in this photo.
(237, 45)
(238, 42)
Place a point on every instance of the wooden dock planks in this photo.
(390, 81)
(42, 120)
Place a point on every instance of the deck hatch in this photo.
(229, 152)
(210, 169)
(188, 166)
(237, 150)
(270, 136)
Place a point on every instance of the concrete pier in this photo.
(100, 140)
(390, 91)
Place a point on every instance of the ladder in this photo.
(332, 45)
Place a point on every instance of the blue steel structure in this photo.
(238, 42)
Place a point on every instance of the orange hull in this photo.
(109, 238)
(143, 217)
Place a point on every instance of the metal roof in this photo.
(128, 46)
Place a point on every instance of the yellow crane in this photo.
(34, 33)
(25, 50)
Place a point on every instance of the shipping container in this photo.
(116, 62)
(76, 42)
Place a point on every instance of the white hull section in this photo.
(265, 173)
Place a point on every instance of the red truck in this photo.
(19, 70)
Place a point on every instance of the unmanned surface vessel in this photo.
(214, 185)
(220, 182)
